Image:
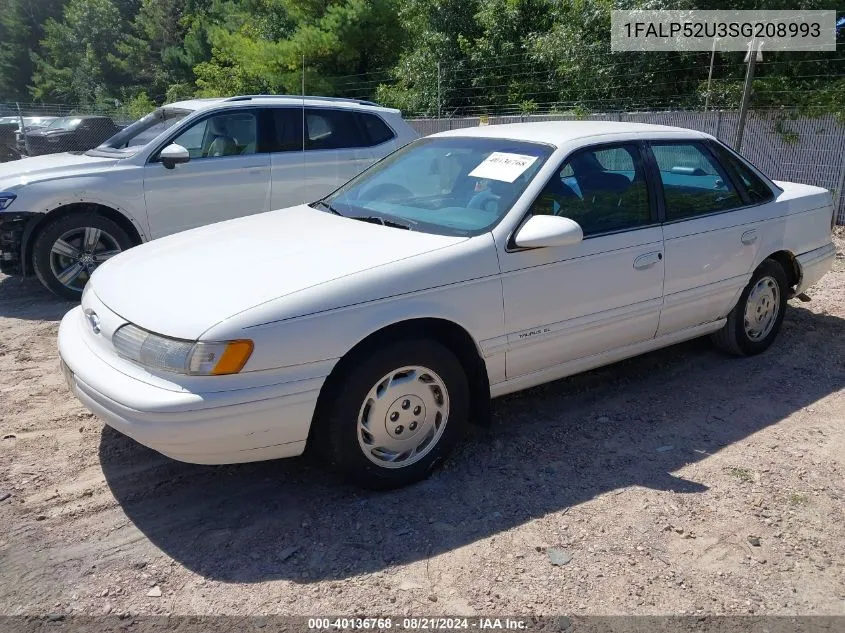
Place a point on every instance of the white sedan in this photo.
(374, 324)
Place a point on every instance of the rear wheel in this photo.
(395, 415)
(755, 321)
(69, 249)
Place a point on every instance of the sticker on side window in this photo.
(503, 166)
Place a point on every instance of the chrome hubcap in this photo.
(761, 308)
(78, 252)
(403, 417)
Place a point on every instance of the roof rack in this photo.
(343, 99)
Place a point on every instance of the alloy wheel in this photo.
(78, 252)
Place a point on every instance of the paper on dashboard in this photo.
(503, 166)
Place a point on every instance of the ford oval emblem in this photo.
(93, 320)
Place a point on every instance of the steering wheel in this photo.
(388, 190)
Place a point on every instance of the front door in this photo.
(573, 302)
(228, 175)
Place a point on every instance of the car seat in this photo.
(222, 143)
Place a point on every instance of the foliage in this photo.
(451, 57)
(22, 25)
(78, 63)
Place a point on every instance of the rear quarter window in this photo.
(755, 189)
(375, 130)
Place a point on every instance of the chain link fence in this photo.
(784, 144)
(36, 129)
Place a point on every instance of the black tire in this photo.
(43, 259)
(733, 337)
(337, 434)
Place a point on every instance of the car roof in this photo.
(288, 100)
(83, 116)
(559, 132)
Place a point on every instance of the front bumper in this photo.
(222, 427)
(15, 228)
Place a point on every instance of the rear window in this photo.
(694, 183)
(332, 129)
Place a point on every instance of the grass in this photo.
(743, 474)
(798, 499)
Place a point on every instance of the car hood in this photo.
(184, 284)
(48, 132)
(49, 166)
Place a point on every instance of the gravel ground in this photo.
(679, 482)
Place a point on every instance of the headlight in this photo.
(6, 199)
(179, 356)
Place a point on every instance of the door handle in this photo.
(647, 260)
(749, 237)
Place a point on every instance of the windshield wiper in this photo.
(329, 207)
(374, 219)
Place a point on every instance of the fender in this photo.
(39, 219)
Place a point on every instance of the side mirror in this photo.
(173, 155)
(543, 231)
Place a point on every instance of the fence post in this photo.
(839, 200)
(439, 80)
(23, 128)
(746, 94)
(718, 124)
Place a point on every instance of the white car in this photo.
(374, 324)
(185, 165)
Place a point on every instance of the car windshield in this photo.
(445, 185)
(64, 123)
(144, 130)
(37, 121)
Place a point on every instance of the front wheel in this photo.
(395, 415)
(68, 249)
(755, 321)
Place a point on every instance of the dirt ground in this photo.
(680, 482)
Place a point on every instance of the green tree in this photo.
(165, 41)
(261, 45)
(437, 29)
(77, 63)
(21, 28)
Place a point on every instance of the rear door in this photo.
(289, 185)
(710, 234)
(228, 175)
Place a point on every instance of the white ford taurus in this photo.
(374, 324)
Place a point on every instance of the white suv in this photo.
(186, 164)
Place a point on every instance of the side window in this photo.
(288, 130)
(693, 182)
(191, 139)
(376, 130)
(754, 187)
(221, 135)
(602, 189)
(332, 129)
